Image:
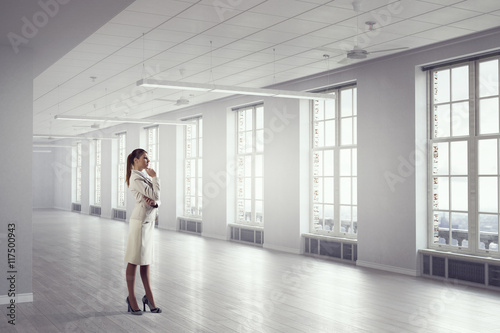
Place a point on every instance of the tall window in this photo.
(122, 168)
(249, 163)
(334, 164)
(193, 166)
(152, 148)
(464, 177)
(78, 195)
(97, 185)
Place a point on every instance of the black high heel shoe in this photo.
(132, 311)
(145, 302)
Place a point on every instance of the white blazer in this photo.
(140, 186)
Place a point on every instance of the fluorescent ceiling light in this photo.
(42, 151)
(123, 120)
(51, 146)
(55, 137)
(151, 83)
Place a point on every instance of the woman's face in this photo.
(142, 162)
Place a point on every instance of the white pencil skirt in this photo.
(140, 242)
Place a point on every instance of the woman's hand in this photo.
(150, 172)
(149, 201)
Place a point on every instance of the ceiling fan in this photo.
(357, 53)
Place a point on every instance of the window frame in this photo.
(336, 150)
(153, 148)
(473, 174)
(78, 184)
(253, 154)
(122, 169)
(98, 173)
(196, 210)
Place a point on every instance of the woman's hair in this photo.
(137, 153)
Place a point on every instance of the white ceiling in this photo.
(248, 43)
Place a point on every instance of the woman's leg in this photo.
(147, 286)
(130, 274)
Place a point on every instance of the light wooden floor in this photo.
(206, 285)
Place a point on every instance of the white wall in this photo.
(391, 129)
(16, 198)
(43, 180)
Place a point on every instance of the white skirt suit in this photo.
(141, 223)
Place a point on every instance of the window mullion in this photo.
(473, 177)
(336, 163)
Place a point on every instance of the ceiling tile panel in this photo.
(447, 15)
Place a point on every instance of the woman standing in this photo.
(141, 224)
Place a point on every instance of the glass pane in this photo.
(460, 83)
(248, 210)
(441, 159)
(248, 119)
(258, 189)
(319, 192)
(346, 131)
(259, 140)
(459, 199)
(345, 190)
(488, 116)
(259, 122)
(329, 218)
(248, 188)
(200, 128)
(442, 120)
(354, 162)
(329, 166)
(194, 151)
(345, 162)
(240, 188)
(442, 86)
(460, 119)
(328, 190)
(354, 191)
(330, 133)
(488, 157)
(355, 130)
(248, 166)
(259, 212)
(488, 78)
(441, 193)
(460, 227)
(458, 163)
(345, 218)
(248, 142)
(329, 109)
(346, 103)
(444, 227)
(199, 187)
(355, 101)
(258, 166)
(488, 232)
(488, 194)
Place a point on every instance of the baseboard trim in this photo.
(281, 248)
(387, 268)
(214, 236)
(20, 298)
